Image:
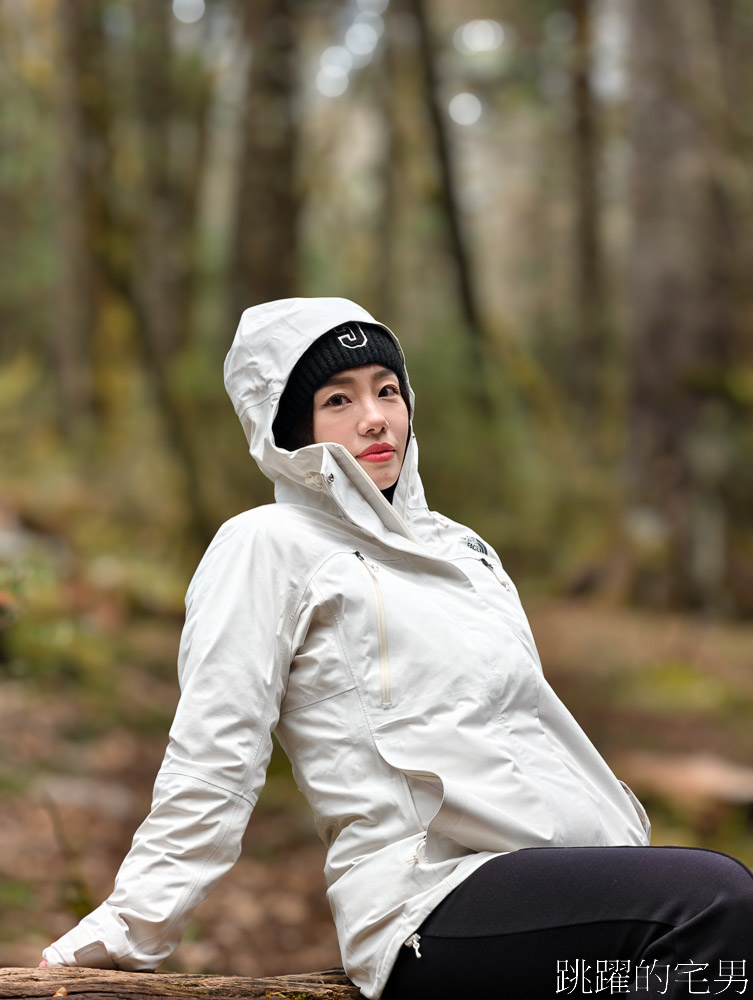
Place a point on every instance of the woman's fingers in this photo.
(42, 964)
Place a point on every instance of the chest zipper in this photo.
(496, 575)
(414, 942)
(384, 656)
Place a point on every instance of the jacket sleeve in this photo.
(233, 662)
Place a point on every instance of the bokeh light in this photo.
(465, 109)
(479, 36)
(373, 6)
(373, 20)
(189, 11)
(337, 55)
(332, 80)
(361, 38)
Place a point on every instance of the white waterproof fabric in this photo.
(387, 647)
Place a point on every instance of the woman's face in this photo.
(362, 409)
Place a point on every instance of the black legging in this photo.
(555, 921)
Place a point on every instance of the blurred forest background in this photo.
(549, 201)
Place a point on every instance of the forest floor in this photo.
(77, 761)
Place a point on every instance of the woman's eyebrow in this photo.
(348, 379)
(338, 380)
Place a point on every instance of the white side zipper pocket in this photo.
(384, 656)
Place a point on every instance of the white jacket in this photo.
(387, 647)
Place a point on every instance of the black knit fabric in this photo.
(541, 921)
(351, 345)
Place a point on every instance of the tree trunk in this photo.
(84, 160)
(158, 262)
(263, 261)
(683, 335)
(448, 185)
(591, 328)
(151, 282)
(96, 984)
(384, 277)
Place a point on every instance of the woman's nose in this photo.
(373, 418)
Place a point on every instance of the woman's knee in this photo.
(725, 879)
(723, 867)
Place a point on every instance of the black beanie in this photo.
(351, 345)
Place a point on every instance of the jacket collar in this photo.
(336, 483)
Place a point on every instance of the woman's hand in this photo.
(42, 964)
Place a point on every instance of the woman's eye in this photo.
(337, 400)
(389, 390)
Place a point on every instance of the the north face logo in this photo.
(476, 544)
(353, 336)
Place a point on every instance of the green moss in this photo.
(679, 686)
(17, 894)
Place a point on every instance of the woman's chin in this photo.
(382, 478)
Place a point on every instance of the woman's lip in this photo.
(377, 454)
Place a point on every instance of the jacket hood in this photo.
(270, 339)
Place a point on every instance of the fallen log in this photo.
(99, 984)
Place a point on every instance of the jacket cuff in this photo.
(52, 956)
(95, 943)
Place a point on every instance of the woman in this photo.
(474, 835)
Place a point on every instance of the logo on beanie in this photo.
(353, 336)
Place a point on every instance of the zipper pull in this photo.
(413, 942)
(370, 566)
(415, 858)
(497, 577)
